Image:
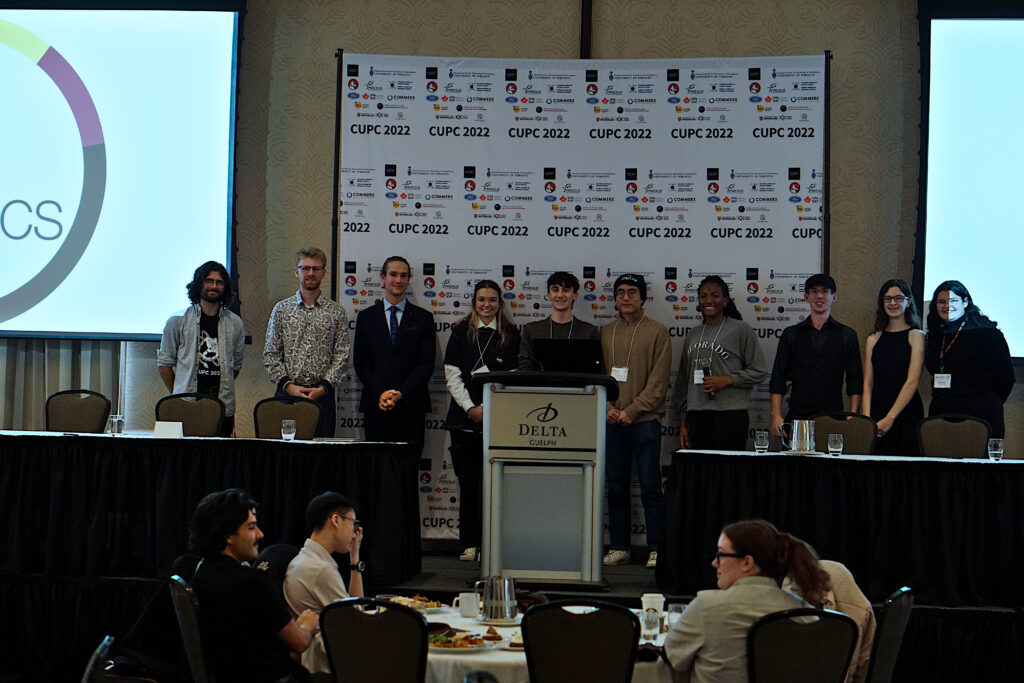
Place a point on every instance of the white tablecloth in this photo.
(507, 666)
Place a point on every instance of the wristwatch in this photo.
(358, 567)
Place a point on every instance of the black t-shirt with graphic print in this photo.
(208, 357)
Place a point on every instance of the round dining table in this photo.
(504, 663)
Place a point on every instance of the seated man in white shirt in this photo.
(314, 578)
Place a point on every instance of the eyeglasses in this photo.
(819, 291)
(355, 522)
(311, 269)
(211, 281)
(719, 555)
(898, 299)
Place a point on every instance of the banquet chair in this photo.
(186, 607)
(269, 412)
(892, 624)
(95, 670)
(98, 661)
(858, 432)
(804, 644)
(273, 562)
(374, 641)
(597, 645)
(77, 410)
(199, 414)
(952, 435)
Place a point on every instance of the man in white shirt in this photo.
(313, 578)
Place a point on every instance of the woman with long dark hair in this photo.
(484, 341)
(893, 358)
(972, 373)
(720, 365)
(752, 559)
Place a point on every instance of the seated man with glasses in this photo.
(202, 346)
(307, 343)
(313, 578)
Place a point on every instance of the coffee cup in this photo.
(468, 604)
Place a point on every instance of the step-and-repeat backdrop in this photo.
(510, 169)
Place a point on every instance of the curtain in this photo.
(33, 369)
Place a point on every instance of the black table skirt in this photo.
(951, 530)
(100, 506)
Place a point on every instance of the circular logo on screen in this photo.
(24, 218)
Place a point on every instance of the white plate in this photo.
(435, 610)
(487, 645)
(500, 622)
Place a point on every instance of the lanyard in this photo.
(480, 359)
(711, 351)
(551, 327)
(943, 348)
(630, 350)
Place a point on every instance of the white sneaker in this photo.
(470, 554)
(652, 560)
(615, 557)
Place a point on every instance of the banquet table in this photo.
(506, 665)
(953, 530)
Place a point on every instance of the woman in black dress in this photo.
(968, 358)
(893, 358)
(483, 341)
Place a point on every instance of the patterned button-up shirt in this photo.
(307, 345)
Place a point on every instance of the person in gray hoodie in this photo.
(720, 364)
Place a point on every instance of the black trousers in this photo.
(724, 430)
(467, 451)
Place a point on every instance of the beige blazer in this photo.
(709, 644)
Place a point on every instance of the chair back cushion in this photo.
(269, 412)
(953, 435)
(580, 640)
(800, 645)
(889, 635)
(77, 410)
(374, 641)
(858, 432)
(199, 415)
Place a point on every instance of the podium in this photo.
(543, 475)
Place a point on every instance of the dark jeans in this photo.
(624, 443)
(467, 451)
(718, 430)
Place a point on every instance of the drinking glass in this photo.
(675, 613)
(288, 430)
(761, 441)
(650, 625)
(835, 444)
(995, 449)
(118, 425)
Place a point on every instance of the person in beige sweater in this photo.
(638, 355)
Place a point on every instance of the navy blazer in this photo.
(407, 366)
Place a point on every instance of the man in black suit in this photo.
(393, 357)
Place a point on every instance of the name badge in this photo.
(620, 374)
(698, 376)
(482, 368)
(943, 380)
